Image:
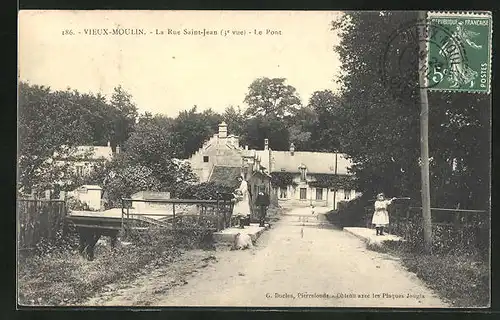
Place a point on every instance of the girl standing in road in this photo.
(381, 215)
(242, 207)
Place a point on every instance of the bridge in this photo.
(176, 215)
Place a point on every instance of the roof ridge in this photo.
(226, 165)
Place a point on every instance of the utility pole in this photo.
(424, 134)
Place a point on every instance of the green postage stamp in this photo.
(459, 52)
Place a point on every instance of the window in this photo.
(205, 158)
(347, 194)
(283, 193)
(319, 193)
(79, 170)
(303, 175)
(303, 193)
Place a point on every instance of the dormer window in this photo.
(302, 170)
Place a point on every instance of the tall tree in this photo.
(325, 132)
(235, 119)
(193, 128)
(259, 128)
(271, 113)
(379, 122)
(126, 115)
(301, 126)
(155, 145)
(379, 128)
(271, 98)
(152, 140)
(97, 114)
(48, 122)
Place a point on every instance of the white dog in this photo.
(242, 241)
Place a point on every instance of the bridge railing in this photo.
(208, 214)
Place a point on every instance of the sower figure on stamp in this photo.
(381, 215)
(262, 202)
(241, 209)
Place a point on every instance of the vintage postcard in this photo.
(272, 159)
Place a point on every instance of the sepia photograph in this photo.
(257, 159)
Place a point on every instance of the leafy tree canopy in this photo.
(378, 123)
(271, 98)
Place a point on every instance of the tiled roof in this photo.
(87, 152)
(315, 162)
(225, 175)
(96, 152)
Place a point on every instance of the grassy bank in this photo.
(67, 278)
(58, 275)
(461, 279)
(63, 277)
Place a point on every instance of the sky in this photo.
(169, 73)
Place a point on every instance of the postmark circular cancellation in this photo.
(452, 50)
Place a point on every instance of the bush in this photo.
(76, 204)
(188, 234)
(63, 241)
(71, 279)
(470, 240)
(127, 180)
(202, 191)
(351, 213)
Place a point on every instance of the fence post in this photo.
(173, 221)
(50, 207)
(65, 223)
(200, 214)
(123, 220)
(464, 226)
(407, 223)
(218, 213)
(128, 212)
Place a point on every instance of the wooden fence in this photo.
(37, 219)
(452, 228)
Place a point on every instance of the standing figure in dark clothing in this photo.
(262, 201)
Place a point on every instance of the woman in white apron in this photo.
(242, 206)
(381, 215)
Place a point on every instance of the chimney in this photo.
(109, 143)
(246, 147)
(266, 144)
(222, 130)
(292, 148)
(117, 149)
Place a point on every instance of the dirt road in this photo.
(296, 263)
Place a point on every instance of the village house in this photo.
(222, 160)
(290, 177)
(302, 178)
(83, 159)
(78, 161)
